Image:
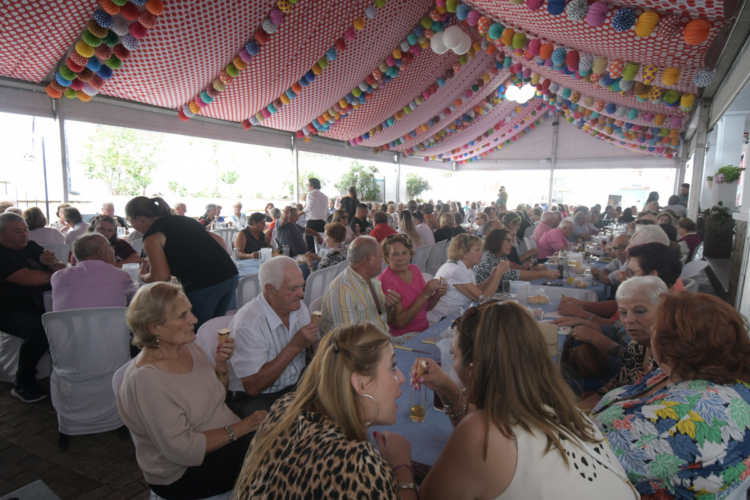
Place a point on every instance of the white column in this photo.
(295, 162)
(700, 158)
(60, 115)
(398, 179)
(553, 160)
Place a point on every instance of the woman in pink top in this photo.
(417, 297)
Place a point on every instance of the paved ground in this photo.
(99, 466)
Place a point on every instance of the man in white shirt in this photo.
(271, 335)
(608, 275)
(580, 230)
(425, 231)
(95, 281)
(316, 210)
(77, 227)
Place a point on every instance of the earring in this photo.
(376, 404)
(157, 341)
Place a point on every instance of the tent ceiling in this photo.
(192, 43)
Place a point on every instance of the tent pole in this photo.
(295, 160)
(60, 116)
(398, 179)
(553, 160)
(680, 174)
(44, 165)
(700, 160)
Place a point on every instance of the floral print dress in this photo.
(688, 440)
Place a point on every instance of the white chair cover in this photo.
(340, 268)
(692, 269)
(87, 348)
(62, 252)
(698, 252)
(321, 249)
(683, 259)
(435, 259)
(444, 255)
(420, 256)
(47, 297)
(530, 243)
(228, 235)
(10, 347)
(427, 277)
(315, 306)
(207, 336)
(318, 282)
(741, 492)
(689, 283)
(137, 245)
(247, 289)
(529, 233)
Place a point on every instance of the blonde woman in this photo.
(314, 442)
(188, 443)
(406, 226)
(517, 432)
(237, 218)
(464, 253)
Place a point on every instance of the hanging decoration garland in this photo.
(322, 64)
(269, 26)
(109, 38)
(411, 47)
(469, 93)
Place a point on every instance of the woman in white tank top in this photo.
(518, 433)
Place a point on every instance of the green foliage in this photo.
(177, 189)
(229, 177)
(731, 173)
(259, 194)
(121, 159)
(362, 178)
(203, 193)
(718, 209)
(416, 185)
(304, 175)
(709, 178)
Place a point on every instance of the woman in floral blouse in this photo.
(497, 246)
(683, 430)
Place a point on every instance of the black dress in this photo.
(251, 244)
(194, 257)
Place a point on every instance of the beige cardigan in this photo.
(167, 413)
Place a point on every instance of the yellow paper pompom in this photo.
(359, 23)
(194, 108)
(507, 37)
(84, 49)
(219, 85)
(659, 119)
(239, 63)
(646, 24)
(83, 96)
(671, 76)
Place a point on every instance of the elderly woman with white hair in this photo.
(637, 301)
(237, 218)
(188, 443)
(210, 216)
(547, 222)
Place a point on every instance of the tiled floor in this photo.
(99, 466)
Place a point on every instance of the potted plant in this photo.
(709, 181)
(718, 233)
(725, 185)
(730, 173)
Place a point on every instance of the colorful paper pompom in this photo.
(84, 49)
(53, 92)
(268, 26)
(534, 4)
(120, 26)
(646, 24)
(668, 28)
(484, 25)
(113, 62)
(77, 60)
(138, 30)
(597, 13)
(156, 7)
(703, 78)
(623, 19)
(671, 76)
(519, 40)
(105, 72)
(129, 41)
(555, 7)
(121, 52)
(686, 102)
(111, 39)
(576, 10)
(276, 17)
(697, 31)
(90, 39)
(462, 11)
(129, 11)
(96, 30)
(110, 8)
(147, 19)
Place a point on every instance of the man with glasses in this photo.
(608, 275)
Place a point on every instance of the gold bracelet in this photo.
(222, 374)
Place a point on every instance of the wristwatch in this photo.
(231, 434)
(409, 486)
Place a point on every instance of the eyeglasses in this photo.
(458, 322)
(509, 240)
(408, 240)
(620, 248)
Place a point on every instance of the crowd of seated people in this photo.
(286, 397)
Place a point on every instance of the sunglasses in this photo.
(408, 240)
(458, 322)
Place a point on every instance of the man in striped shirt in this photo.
(271, 335)
(355, 295)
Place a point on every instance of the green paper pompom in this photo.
(119, 3)
(671, 97)
(71, 94)
(664, 132)
(232, 70)
(426, 22)
(90, 39)
(111, 39)
(407, 110)
(475, 88)
(463, 60)
(356, 92)
(323, 63)
(67, 73)
(379, 4)
(451, 5)
(113, 62)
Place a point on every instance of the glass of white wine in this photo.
(418, 403)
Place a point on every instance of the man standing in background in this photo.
(316, 208)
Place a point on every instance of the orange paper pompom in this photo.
(359, 23)
(53, 92)
(239, 63)
(261, 37)
(96, 30)
(545, 51)
(83, 96)
(110, 8)
(194, 108)
(696, 31)
(156, 7)
(129, 11)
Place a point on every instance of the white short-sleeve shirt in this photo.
(455, 273)
(259, 336)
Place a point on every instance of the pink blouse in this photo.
(409, 293)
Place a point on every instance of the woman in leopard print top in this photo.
(314, 443)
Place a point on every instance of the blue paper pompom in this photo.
(103, 19)
(129, 42)
(558, 56)
(63, 81)
(303, 82)
(418, 31)
(462, 11)
(139, 3)
(252, 48)
(105, 72)
(310, 76)
(611, 108)
(331, 54)
(623, 19)
(440, 81)
(290, 94)
(94, 64)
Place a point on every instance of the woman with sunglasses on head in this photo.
(417, 296)
(512, 222)
(497, 246)
(314, 442)
(517, 432)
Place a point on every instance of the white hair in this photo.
(86, 246)
(648, 234)
(566, 223)
(274, 270)
(108, 204)
(650, 288)
(580, 216)
(548, 217)
(180, 204)
(211, 206)
(361, 248)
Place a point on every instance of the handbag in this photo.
(584, 359)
